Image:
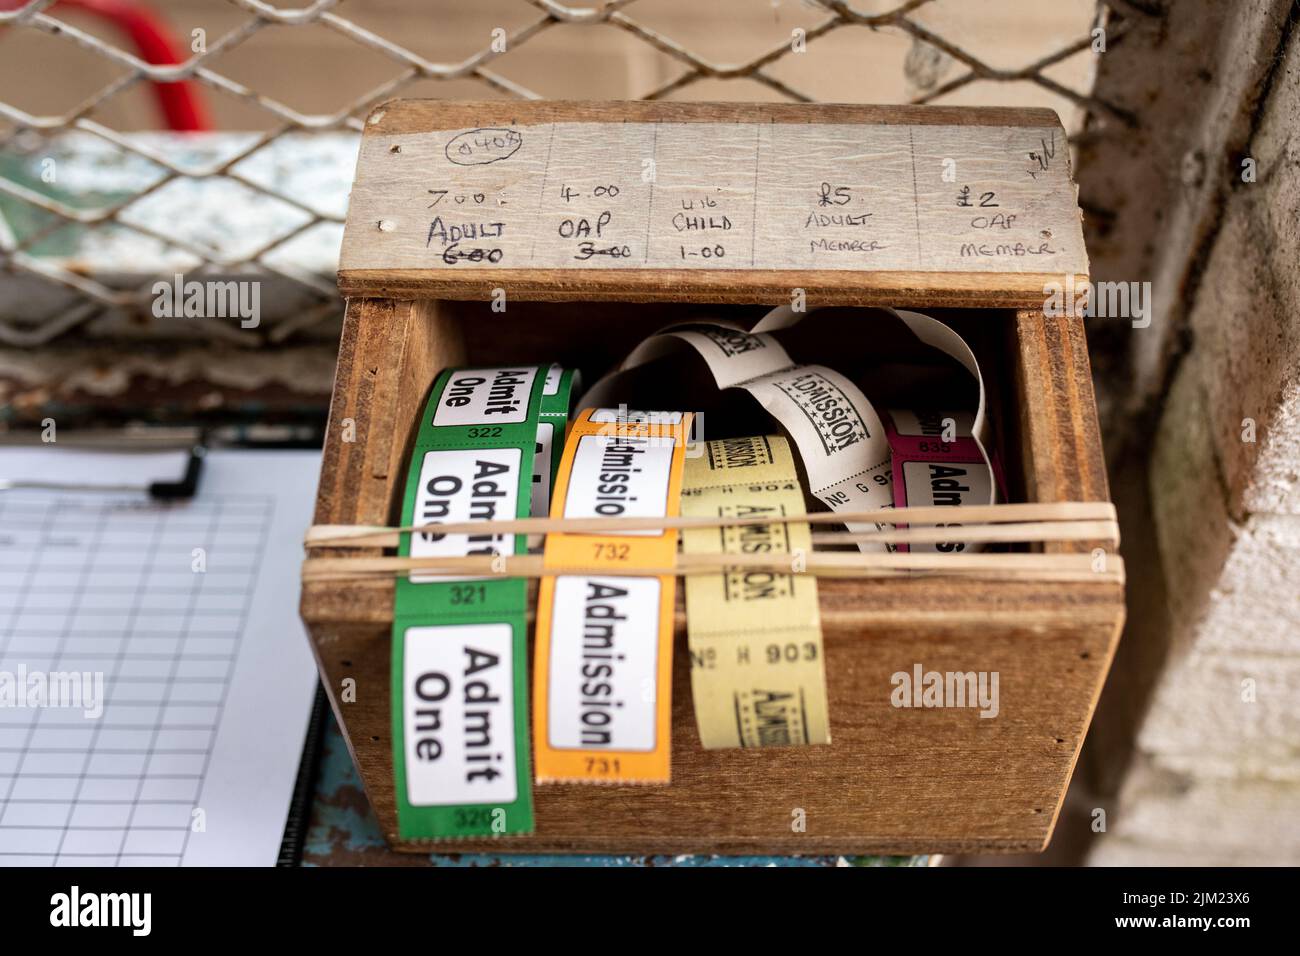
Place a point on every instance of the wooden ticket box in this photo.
(508, 232)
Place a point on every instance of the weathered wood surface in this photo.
(712, 203)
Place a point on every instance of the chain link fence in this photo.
(94, 209)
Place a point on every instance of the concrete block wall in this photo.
(1216, 772)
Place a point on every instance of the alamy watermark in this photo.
(1101, 300)
(75, 690)
(926, 689)
(75, 908)
(209, 299)
(652, 428)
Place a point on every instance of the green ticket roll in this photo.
(487, 448)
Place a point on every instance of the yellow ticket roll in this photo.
(602, 674)
(755, 636)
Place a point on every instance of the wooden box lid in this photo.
(708, 202)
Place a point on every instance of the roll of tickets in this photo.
(755, 636)
(459, 650)
(602, 673)
(934, 334)
(839, 436)
(557, 398)
(936, 461)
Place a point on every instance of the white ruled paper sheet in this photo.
(155, 680)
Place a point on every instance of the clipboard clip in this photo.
(180, 489)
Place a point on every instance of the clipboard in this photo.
(184, 464)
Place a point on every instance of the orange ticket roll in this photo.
(602, 675)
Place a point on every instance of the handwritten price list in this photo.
(777, 196)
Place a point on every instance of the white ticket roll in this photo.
(837, 432)
(934, 334)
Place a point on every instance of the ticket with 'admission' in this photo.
(757, 672)
(836, 432)
(602, 675)
(833, 425)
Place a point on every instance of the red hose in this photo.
(182, 108)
